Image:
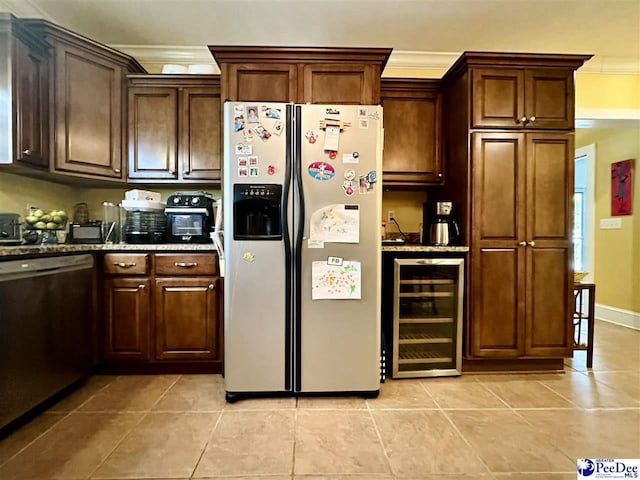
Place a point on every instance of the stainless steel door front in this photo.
(257, 307)
(339, 339)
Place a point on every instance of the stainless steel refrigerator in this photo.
(302, 224)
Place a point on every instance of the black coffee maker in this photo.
(439, 227)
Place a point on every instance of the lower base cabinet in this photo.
(185, 318)
(127, 305)
(162, 308)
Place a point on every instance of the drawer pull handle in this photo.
(186, 265)
(423, 262)
(125, 265)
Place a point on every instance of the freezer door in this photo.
(338, 306)
(257, 293)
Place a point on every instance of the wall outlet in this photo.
(391, 215)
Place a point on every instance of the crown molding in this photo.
(399, 60)
(24, 9)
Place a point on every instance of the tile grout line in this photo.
(64, 416)
(560, 395)
(379, 435)
(145, 415)
(293, 452)
(206, 444)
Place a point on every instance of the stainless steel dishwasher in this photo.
(47, 329)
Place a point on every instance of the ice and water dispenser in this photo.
(257, 212)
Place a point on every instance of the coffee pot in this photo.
(443, 229)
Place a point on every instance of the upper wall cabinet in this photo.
(24, 126)
(412, 112)
(523, 91)
(87, 82)
(174, 128)
(301, 74)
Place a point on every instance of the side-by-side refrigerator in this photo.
(302, 201)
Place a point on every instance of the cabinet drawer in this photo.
(126, 264)
(186, 264)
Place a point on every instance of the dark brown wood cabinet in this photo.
(24, 81)
(301, 74)
(163, 308)
(522, 252)
(87, 82)
(185, 320)
(127, 306)
(526, 98)
(513, 188)
(174, 129)
(412, 110)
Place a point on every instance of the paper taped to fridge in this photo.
(333, 282)
(337, 223)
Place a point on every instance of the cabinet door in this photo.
(126, 311)
(186, 318)
(262, 82)
(498, 259)
(88, 114)
(549, 98)
(153, 133)
(549, 223)
(498, 98)
(340, 84)
(412, 146)
(32, 121)
(200, 145)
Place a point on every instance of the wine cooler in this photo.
(427, 317)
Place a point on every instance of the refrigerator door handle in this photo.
(298, 248)
(284, 214)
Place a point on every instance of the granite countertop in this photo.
(423, 248)
(84, 248)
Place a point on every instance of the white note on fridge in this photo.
(337, 223)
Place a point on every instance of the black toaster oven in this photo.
(10, 233)
(190, 216)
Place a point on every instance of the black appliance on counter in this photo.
(438, 225)
(190, 217)
(87, 232)
(10, 233)
(145, 227)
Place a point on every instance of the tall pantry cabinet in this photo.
(508, 125)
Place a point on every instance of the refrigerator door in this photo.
(337, 334)
(257, 247)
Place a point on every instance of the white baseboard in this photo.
(619, 316)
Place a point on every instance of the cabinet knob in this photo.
(532, 244)
(523, 120)
(141, 286)
(186, 265)
(185, 172)
(117, 170)
(27, 152)
(172, 172)
(211, 286)
(522, 244)
(532, 119)
(440, 175)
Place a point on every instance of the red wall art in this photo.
(622, 187)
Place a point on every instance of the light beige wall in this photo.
(617, 252)
(17, 192)
(407, 207)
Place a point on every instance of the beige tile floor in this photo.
(519, 427)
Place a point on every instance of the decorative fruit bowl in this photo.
(579, 276)
(39, 219)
